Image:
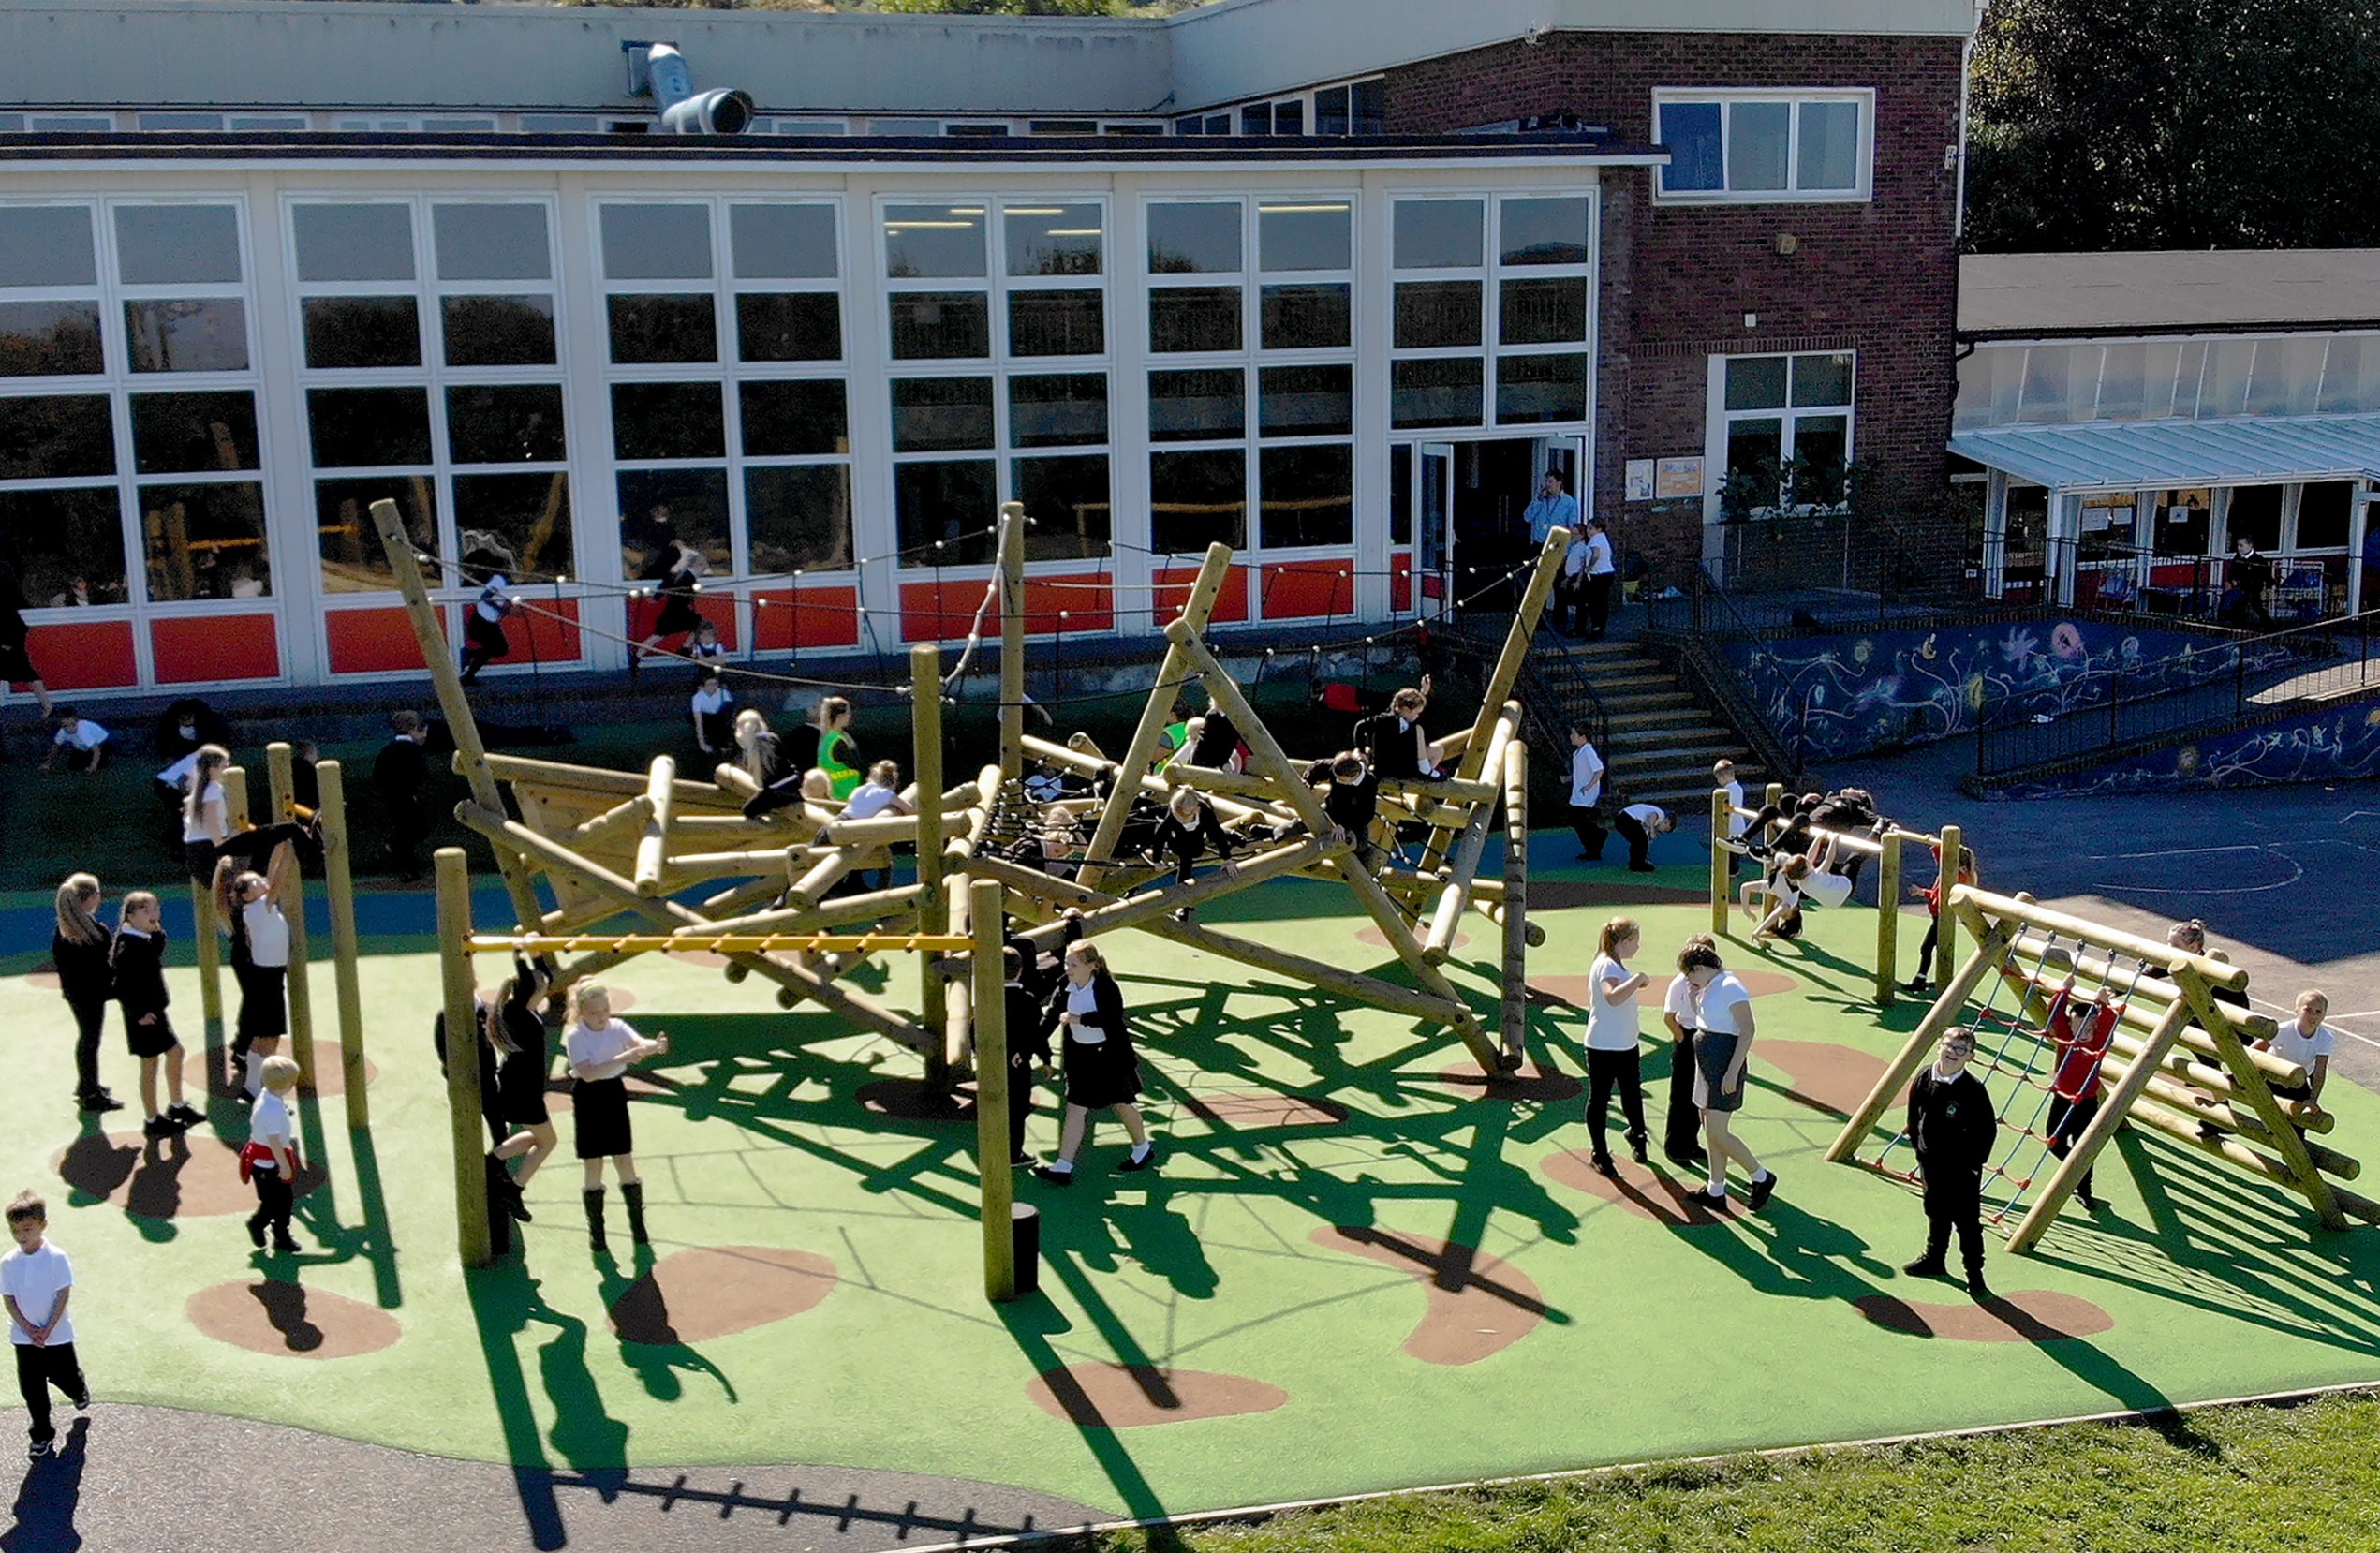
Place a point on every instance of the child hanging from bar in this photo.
(1952, 1126)
(1970, 874)
(484, 639)
(249, 907)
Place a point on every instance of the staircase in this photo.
(1659, 744)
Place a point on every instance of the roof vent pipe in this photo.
(659, 70)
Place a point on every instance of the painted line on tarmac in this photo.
(2298, 872)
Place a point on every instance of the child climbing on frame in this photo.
(1970, 874)
(249, 909)
(2082, 1050)
(2307, 1042)
(1189, 829)
(1783, 890)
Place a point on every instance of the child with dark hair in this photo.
(78, 742)
(136, 961)
(713, 706)
(36, 1280)
(1952, 1128)
(398, 775)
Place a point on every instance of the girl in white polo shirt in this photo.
(1612, 1034)
(2308, 1042)
(1723, 1050)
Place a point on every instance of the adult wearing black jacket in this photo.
(1952, 1126)
(1103, 1072)
(398, 775)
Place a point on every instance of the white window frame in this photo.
(1720, 419)
(1862, 191)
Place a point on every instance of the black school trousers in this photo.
(1681, 1131)
(1954, 1200)
(1587, 821)
(37, 1370)
(1639, 840)
(1605, 1071)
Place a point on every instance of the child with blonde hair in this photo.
(270, 1155)
(600, 1049)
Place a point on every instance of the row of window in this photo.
(93, 121)
(2003, 385)
(1352, 107)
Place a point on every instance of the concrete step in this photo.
(1647, 679)
(1701, 734)
(1652, 719)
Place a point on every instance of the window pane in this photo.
(663, 329)
(1434, 314)
(2351, 376)
(1194, 318)
(185, 433)
(656, 242)
(62, 535)
(1197, 407)
(44, 339)
(1755, 449)
(668, 421)
(353, 561)
(954, 503)
(1367, 107)
(1533, 390)
(2122, 382)
(1829, 158)
(498, 330)
(491, 241)
(1822, 446)
(941, 325)
(1306, 318)
(1330, 112)
(1305, 237)
(205, 542)
(1400, 493)
(1256, 118)
(1186, 240)
(1757, 138)
(1309, 496)
(656, 504)
(2323, 511)
(1438, 392)
(47, 245)
(55, 438)
(1441, 234)
(1053, 240)
(1543, 312)
(177, 245)
(363, 428)
(526, 516)
(2287, 376)
(1756, 383)
(505, 423)
(1545, 231)
(1058, 323)
(1306, 401)
(362, 331)
(1057, 412)
(934, 243)
(1289, 118)
(794, 420)
(798, 519)
(2255, 512)
(206, 336)
(783, 241)
(1691, 130)
(1067, 501)
(1822, 381)
(802, 326)
(1197, 499)
(340, 243)
(933, 415)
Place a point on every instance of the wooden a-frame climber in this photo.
(2178, 1063)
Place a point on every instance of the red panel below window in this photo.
(1400, 583)
(1088, 603)
(943, 611)
(372, 642)
(1301, 590)
(785, 619)
(196, 650)
(1172, 592)
(85, 655)
(544, 631)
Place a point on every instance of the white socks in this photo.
(1141, 1151)
(253, 1080)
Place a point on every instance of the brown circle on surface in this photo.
(717, 1291)
(621, 998)
(2030, 1315)
(1645, 1193)
(1126, 1396)
(1379, 940)
(1264, 1108)
(194, 1176)
(1479, 1304)
(1533, 1082)
(915, 1099)
(330, 1068)
(712, 960)
(291, 1321)
(1558, 895)
(46, 979)
(1824, 1074)
(1577, 992)
(557, 1091)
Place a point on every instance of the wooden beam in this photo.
(1011, 563)
(280, 776)
(1954, 856)
(1447, 915)
(653, 848)
(2248, 1083)
(933, 904)
(1888, 919)
(1155, 786)
(473, 1241)
(992, 1166)
(1722, 874)
(339, 884)
(695, 797)
(2215, 973)
(1514, 1012)
(623, 821)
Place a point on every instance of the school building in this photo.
(1333, 281)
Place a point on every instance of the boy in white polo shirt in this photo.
(37, 1279)
(79, 742)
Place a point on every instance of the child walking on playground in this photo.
(1722, 1048)
(1103, 1072)
(1952, 1126)
(601, 1051)
(136, 960)
(37, 1281)
(271, 1156)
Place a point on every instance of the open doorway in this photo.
(1469, 502)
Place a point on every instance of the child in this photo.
(484, 638)
(1103, 1072)
(714, 723)
(1029, 1049)
(1952, 1128)
(1724, 1029)
(397, 776)
(2307, 1042)
(516, 1030)
(271, 1156)
(79, 742)
(1189, 828)
(1351, 801)
(756, 748)
(137, 962)
(78, 950)
(1970, 874)
(1612, 1036)
(1637, 824)
(2074, 1089)
(1679, 1143)
(37, 1281)
(206, 823)
(822, 744)
(1783, 890)
(704, 647)
(1586, 794)
(1722, 778)
(1394, 741)
(599, 1049)
(248, 906)
(880, 796)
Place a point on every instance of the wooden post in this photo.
(1888, 919)
(933, 903)
(660, 804)
(1446, 915)
(991, 1093)
(1953, 855)
(1991, 951)
(2249, 1085)
(339, 883)
(280, 771)
(472, 1241)
(455, 702)
(1472, 765)
(1721, 877)
(1515, 1009)
(1012, 563)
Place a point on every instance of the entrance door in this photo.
(1434, 530)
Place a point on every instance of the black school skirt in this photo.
(600, 1109)
(1100, 1075)
(520, 1086)
(264, 1001)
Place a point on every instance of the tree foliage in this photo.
(2103, 124)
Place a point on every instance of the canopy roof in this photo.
(2129, 455)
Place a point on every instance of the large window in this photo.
(1353, 108)
(998, 338)
(1784, 425)
(1764, 145)
(1491, 321)
(730, 397)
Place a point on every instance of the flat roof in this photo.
(2027, 296)
(301, 54)
(2133, 455)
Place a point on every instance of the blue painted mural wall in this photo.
(2335, 744)
(1851, 695)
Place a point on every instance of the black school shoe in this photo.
(159, 1127)
(1054, 1175)
(99, 1100)
(1761, 1191)
(185, 1114)
(1139, 1161)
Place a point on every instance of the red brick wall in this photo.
(1880, 278)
